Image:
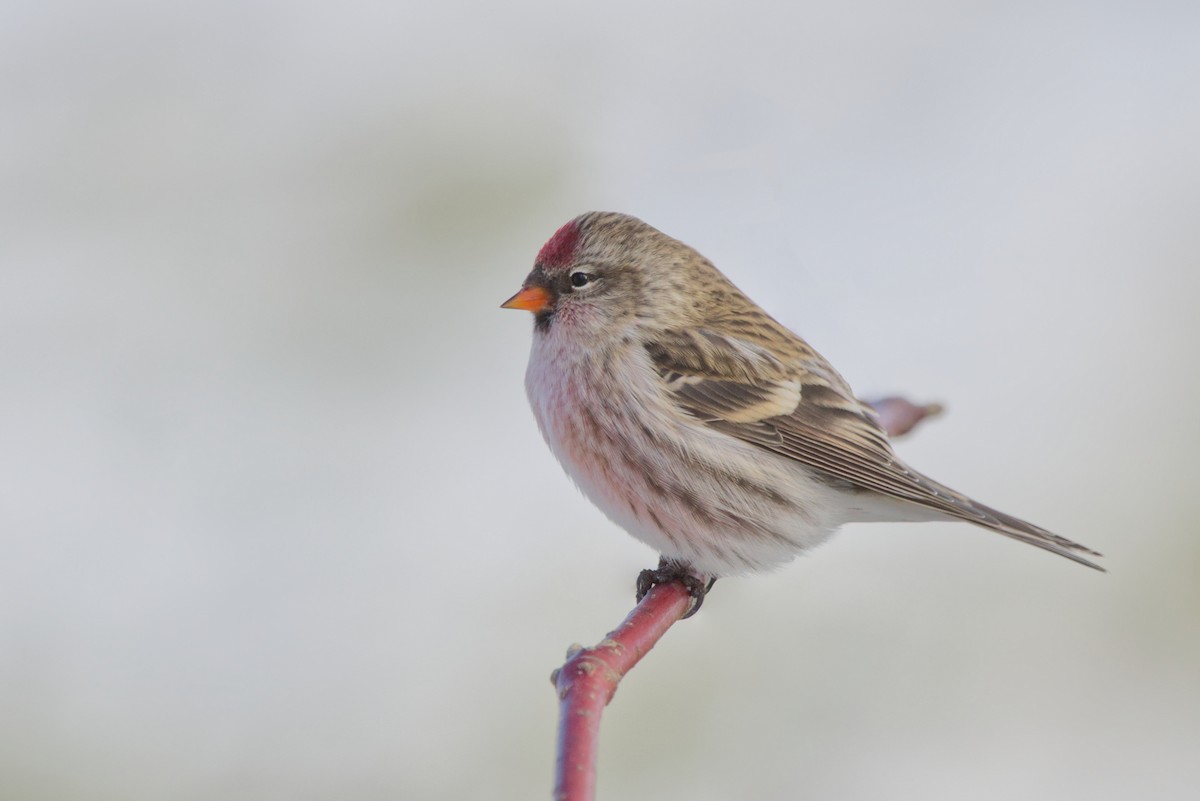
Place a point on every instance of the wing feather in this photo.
(799, 407)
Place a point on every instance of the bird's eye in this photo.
(580, 279)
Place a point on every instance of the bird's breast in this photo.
(685, 489)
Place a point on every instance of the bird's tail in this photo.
(956, 505)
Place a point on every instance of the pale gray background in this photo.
(277, 522)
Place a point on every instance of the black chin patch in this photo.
(541, 321)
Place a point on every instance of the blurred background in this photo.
(276, 521)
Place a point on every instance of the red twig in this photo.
(589, 679)
(587, 682)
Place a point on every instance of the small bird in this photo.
(701, 425)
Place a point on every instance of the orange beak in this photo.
(531, 298)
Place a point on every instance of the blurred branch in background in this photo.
(899, 416)
(589, 679)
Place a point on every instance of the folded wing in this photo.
(799, 407)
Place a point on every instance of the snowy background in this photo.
(276, 522)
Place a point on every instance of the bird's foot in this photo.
(697, 584)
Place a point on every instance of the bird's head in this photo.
(604, 272)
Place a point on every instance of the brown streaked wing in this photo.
(724, 384)
(803, 411)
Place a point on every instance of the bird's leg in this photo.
(697, 584)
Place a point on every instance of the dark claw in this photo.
(696, 584)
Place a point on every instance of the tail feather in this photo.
(957, 505)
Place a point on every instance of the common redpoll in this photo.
(701, 425)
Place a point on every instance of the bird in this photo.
(701, 425)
